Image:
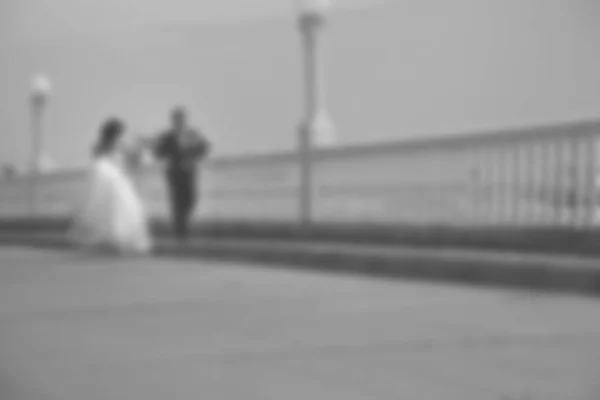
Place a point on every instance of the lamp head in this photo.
(314, 8)
(40, 87)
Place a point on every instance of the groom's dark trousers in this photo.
(182, 191)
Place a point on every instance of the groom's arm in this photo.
(201, 146)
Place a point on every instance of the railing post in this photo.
(591, 169)
(482, 185)
(546, 194)
(507, 185)
(557, 182)
(495, 190)
(577, 189)
(530, 184)
(517, 176)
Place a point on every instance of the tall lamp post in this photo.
(316, 127)
(40, 91)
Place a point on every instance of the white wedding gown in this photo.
(112, 214)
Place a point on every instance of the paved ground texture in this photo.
(84, 327)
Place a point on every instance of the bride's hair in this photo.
(110, 133)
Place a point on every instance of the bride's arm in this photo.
(138, 153)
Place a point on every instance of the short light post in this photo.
(40, 92)
(316, 127)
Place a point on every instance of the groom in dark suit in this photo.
(182, 148)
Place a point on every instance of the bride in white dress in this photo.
(112, 215)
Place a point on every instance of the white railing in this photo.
(543, 176)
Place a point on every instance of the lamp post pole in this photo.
(316, 128)
(40, 91)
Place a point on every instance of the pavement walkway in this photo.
(83, 327)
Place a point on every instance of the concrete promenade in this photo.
(76, 326)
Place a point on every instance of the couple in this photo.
(112, 215)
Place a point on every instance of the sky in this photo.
(396, 69)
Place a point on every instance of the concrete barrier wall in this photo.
(541, 176)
